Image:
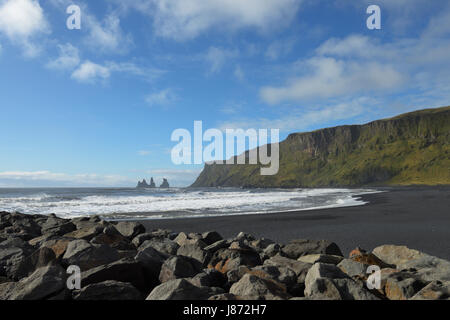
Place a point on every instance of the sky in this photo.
(96, 106)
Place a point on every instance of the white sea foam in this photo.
(157, 204)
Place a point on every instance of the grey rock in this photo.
(429, 268)
(38, 259)
(327, 281)
(300, 268)
(323, 258)
(85, 233)
(253, 286)
(435, 290)
(195, 252)
(396, 255)
(403, 285)
(353, 268)
(271, 250)
(223, 296)
(177, 267)
(302, 247)
(211, 237)
(124, 270)
(208, 278)
(130, 229)
(87, 255)
(141, 238)
(41, 284)
(56, 226)
(181, 289)
(163, 245)
(221, 244)
(108, 290)
(282, 275)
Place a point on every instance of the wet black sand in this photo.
(418, 217)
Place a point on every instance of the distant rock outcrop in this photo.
(165, 184)
(144, 184)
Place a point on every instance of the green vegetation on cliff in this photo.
(413, 148)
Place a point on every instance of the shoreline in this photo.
(412, 216)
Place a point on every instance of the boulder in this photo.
(12, 252)
(163, 245)
(300, 268)
(253, 286)
(57, 227)
(368, 258)
(108, 290)
(223, 296)
(177, 267)
(221, 244)
(209, 278)
(429, 268)
(38, 259)
(435, 290)
(86, 233)
(130, 229)
(194, 251)
(181, 289)
(181, 238)
(403, 285)
(124, 270)
(141, 238)
(41, 284)
(271, 250)
(297, 248)
(353, 268)
(327, 281)
(211, 237)
(396, 255)
(116, 241)
(59, 246)
(86, 255)
(323, 258)
(281, 275)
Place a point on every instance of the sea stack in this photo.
(152, 183)
(165, 184)
(142, 184)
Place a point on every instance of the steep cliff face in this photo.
(412, 148)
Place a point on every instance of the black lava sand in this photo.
(418, 217)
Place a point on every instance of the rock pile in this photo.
(123, 261)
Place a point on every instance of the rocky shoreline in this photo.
(124, 261)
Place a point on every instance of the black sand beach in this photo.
(418, 217)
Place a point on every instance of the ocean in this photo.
(132, 204)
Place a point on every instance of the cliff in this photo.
(412, 148)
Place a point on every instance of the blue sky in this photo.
(97, 106)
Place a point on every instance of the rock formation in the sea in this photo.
(165, 184)
(144, 184)
(412, 148)
(124, 261)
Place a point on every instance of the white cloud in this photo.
(21, 21)
(239, 73)
(218, 57)
(48, 178)
(360, 65)
(188, 19)
(279, 48)
(144, 152)
(329, 77)
(161, 98)
(107, 36)
(68, 58)
(90, 72)
(303, 119)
